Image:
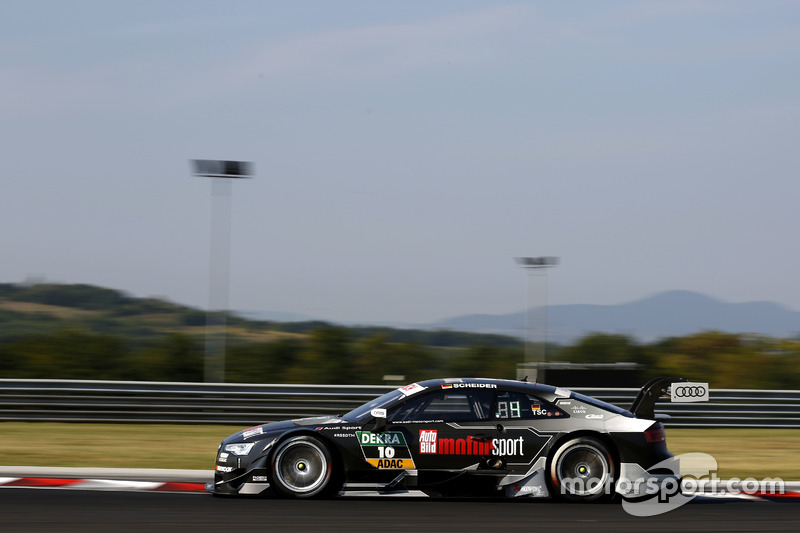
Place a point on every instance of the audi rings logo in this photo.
(689, 392)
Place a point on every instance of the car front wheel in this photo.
(302, 468)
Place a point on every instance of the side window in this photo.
(516, 405)
(446, 406)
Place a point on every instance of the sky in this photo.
(404, 152)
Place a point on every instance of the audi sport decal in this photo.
(387, 450)
(689, 392)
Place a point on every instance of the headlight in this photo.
(240, 448)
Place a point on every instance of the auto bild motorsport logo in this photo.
(427, 440)
(430, 443)
(387, 450)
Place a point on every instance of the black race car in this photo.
(454, 437)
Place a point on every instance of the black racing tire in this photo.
(582, 470)
(302, 467)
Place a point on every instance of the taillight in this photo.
(655, 435)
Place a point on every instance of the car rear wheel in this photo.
(582, 469)
(302, 468)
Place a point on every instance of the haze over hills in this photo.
(667, 314)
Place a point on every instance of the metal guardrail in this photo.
(726, 408)
(174, 403)
(249, 404)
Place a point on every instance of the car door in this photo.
(448, 430)
(519, 418)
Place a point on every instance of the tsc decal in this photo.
(385, 450)
(506, 410)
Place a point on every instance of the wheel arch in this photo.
(604, 438)
(339, 466)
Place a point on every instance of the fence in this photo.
(249, 404)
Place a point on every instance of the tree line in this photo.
(335, 355)
(88, 332)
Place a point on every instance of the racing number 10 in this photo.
(385, 452)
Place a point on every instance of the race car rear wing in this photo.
(644, 404)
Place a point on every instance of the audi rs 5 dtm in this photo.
(455, 437)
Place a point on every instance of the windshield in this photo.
(360, 413)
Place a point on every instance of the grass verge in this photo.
(743, 452)
(740, 453)
(110, 445)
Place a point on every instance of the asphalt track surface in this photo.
(56, 510)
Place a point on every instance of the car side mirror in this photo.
(380, 419)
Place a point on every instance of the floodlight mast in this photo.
(533, 265)
(219, 258)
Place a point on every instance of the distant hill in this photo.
(43, 308)
(667, 314)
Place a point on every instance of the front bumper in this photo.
(241, 474)
(251, 480)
